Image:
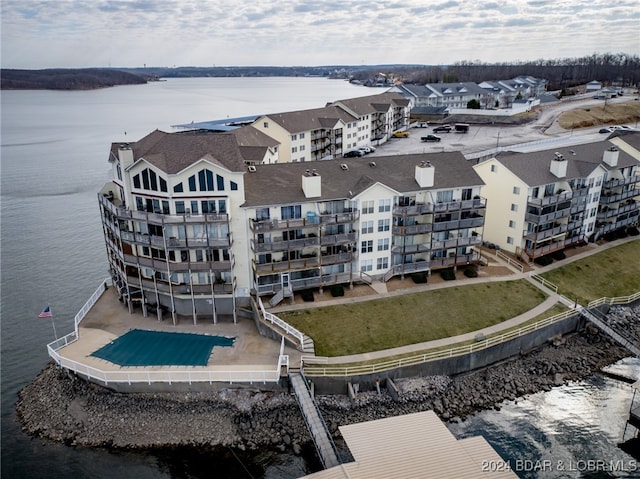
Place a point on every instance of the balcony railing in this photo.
(416, 229)
(615, 197)
(413, 210)
(552, 199)
(197, 289)
(477, 203)
(546, 218)
(553, 246)
(161, 242)
(458, 224)
(542, 235)
(284, 245)
(158, 264)
(161, 219)
(615, 183)
(337, 239)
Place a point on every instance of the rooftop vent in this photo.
(307, 172)
(558, 156)
(344, 166)
(613, 148)
(252, 168)
(350, 193)
(572, 152)
(372, 164)
(314, 172)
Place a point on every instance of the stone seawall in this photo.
(65, 408)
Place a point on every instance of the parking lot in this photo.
(486, 138)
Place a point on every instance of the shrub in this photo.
(621, 233)
(419, 278)
(633, 231)
(610, 236)
(544, 260)
(307, 296)
(448, 274)
(337, 290)
(471, 272)
(558, 255)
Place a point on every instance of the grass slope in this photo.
(610, 273)
(413, 318)
(600, 115)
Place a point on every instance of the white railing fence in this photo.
(286, 327)
(544, 282)
(91, 301)
(510, 261)
(616, 300)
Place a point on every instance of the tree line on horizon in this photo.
(609, 68)
(620, 69)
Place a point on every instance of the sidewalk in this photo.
(552, 299)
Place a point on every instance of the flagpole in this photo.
(53, 324)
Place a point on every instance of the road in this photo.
(486, 139)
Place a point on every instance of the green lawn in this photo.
(413, 318)
(610, 273)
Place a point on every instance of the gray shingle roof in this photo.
(282, 183)
(173, 152)
(313, 119)
(534, 168)
(366, 105)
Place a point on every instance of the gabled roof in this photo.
(313, 119)
(450, 89)
(282, 183)
(534, 168)
(367, 105)
(173, 152)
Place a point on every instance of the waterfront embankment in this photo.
(61, 407)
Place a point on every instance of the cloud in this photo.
(38, 33)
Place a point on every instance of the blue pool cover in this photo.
(156, 348)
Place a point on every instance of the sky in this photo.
(170, 33)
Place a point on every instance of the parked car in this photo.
(422, 124)
(605, 130)
(353, 154)
(442, 129)
(367, 149)
(431, 138)
(400, 134)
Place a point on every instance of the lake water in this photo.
(54, 154)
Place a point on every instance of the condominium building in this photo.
(329, 132)
(191, 231)
(544, 201)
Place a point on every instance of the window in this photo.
(294, 137)
(366, 265)
(516, 190)
(383, 244)
(262, 214)
(512, 224)
(384, 205)
(294, 149)
(194, 207)
(444, 196)
(291, 212)
(192, 183)
(178, 188)
(220, 182)
(367, 227)
(382, 263)
(509, 240)
(383, 225)
(367, 207)
(514, 207)
(222, 206)
(180, 207)
(301, 136)
(367, 247)
(149, 181)
(208, 206)
(234, 186)
(494, 168)
(265, 124)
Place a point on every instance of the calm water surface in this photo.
(54, 154)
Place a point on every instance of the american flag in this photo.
(46, 313)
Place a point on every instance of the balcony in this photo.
(196, 289)
(416, 229)
(619, 182)
(296, 244)
(552, 246)
(338, 218)
(610, 197)
(548, 233)
(477, 203)
(413, 210)
(338, 239)
(547, 218)
(158, 264)
(551, 200)
(286, 265)
(476, 222)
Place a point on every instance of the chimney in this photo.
(425, 174)
(610, 156)
(311, 184)
(125, 155)
(558, 165)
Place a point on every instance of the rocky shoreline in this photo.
(61, 407)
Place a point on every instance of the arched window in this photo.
(205, 180)
(150, 181)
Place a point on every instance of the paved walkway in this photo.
(552, 299)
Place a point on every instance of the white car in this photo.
(367, 149)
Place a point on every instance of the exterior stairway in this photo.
(317, 428)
